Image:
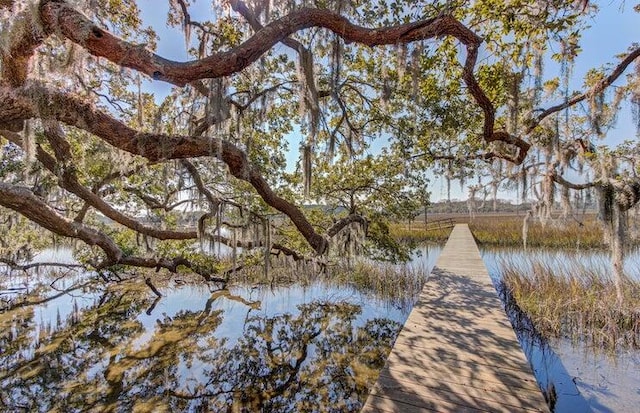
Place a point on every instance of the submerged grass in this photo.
(571, 299)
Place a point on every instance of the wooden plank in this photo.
(457, 350)
(463, 396)
(460, 377)
(384, 404)
(482, 360)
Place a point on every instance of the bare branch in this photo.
(24, 267)
(69, 181)
(153, 288)
(562, 181)
(22, 200)
(214, 201)
(339, 225)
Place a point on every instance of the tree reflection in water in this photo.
(322, 357)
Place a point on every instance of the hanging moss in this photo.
(596, 112)
(386, 89)
(140, 102)
(537, 75)
(401, 60)
(514, 101)
(336, 61)
(218, 107)
(308, 104)
(525, 228)
(635, 98)
(29, 143)
(566, 201)
(627, 195)
(266, 228)
(523, 183)
(416, 71)
(306, 169)
(606, 201)
(545, 207)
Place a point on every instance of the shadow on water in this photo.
(558, 386)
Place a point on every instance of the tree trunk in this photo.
(425, 215)
(617, 246)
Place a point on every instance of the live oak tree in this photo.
(84, 136)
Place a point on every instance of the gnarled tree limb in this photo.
(597, 88)
(24, 201)
(62, 18)
(69, 181)
(20, 104)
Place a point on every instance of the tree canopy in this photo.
(91, 151)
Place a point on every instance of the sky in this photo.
(612, 31)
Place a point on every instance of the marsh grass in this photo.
(506, 231)
(575, 300)
(416, 234)
(396, 284)
(498, 230)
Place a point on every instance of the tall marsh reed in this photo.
(507, 231)
(398, 284)
(416, 234)
(574, 299)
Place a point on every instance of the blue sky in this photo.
(612, 31)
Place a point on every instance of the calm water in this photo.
(292, 348)
(583, 378)
(288, 348)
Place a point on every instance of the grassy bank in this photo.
(576, 301)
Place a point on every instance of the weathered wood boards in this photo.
(457, 351)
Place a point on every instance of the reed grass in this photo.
(584, 232)
(396, 284)
(571, 299)
(506, 231)
(416, 233)
(399, 285)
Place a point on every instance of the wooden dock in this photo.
(457, 352)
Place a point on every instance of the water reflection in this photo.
(116, 348)
(424, 257)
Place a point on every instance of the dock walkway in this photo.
(457, 351)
